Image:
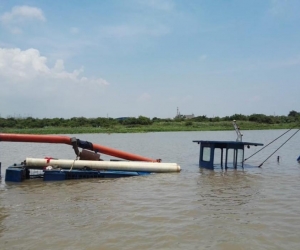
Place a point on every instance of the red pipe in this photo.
(67, 140)
(36, 138)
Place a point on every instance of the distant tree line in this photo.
(30, 122)
(293, 116)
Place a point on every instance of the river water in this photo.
(254, 208)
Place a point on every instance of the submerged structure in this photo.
(87, 163)
(223, 154)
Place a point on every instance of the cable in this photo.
(278, 148)
(269, 143)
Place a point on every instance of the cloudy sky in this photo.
(147, 57)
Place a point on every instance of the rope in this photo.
(76, 158)
(278, 148)
(270, 143)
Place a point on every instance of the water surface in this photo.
(254, 208)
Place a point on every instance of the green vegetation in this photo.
(77, 125)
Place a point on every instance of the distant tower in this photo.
(178, 113)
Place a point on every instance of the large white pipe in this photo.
(137, 166)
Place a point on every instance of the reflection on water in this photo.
(227, 189)
(3, 215)
(250, 208)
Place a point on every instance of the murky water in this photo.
(254, 208)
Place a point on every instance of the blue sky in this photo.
(147, 57)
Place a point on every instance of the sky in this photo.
(117, 58)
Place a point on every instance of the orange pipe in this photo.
(67, 140)
(36, 138)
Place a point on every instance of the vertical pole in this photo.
(235, 158)
(243, 159)
(201, 155)
(226, 158)
(222, 157)
(212, 156)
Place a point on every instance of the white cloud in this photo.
(20, 65)
(29, 85)
(19, 16)
(22, 13)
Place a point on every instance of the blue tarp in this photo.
(85, 144)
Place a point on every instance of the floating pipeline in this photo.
(153, 167)
(70, 141)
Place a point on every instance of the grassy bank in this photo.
(155, 127)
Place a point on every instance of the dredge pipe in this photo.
(153, 167)
(36, 138)
(67, 140)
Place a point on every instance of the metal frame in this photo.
(227, 145)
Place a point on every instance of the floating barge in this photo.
(21, 172)
(87, 164)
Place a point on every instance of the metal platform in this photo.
(222, 153)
